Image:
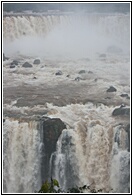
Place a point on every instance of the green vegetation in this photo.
(53, 187)
(49, 187)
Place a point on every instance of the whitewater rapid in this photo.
(92, 53)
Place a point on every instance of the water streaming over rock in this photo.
(94, 152)
(98, 30)
(88, 146)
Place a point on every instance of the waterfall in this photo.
(94, 152)
(46, 131)
(21, 155)
(91, 155)
(63, 34)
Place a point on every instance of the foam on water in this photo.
(65, 36)
(93, 149)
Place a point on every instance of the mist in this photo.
(75, 36)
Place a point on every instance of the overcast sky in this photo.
(99, 7)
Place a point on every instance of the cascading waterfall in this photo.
(22, 155)
(19, 26)
(49, 31)
(94, 152)
(89, 154)
(88, 146)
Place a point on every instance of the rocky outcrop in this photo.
(58, 73)
(122, 111)
(127, 129)
(4, 57)
(14, 62)
(125, 96)
(27, 65)
(12, 66)
(52, 129)
(82, 71)
(78, 79)
(37, 61)
(90, 72)
(111, 89)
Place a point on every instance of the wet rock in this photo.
(37, 61)
(52, 129)
(124, 95)
(27, 65)
(82, 71)
(90, 72)
(14, 62)
(107, 97)
(4, 57)
(12, 66)
(127, 129)
(122, 111)
(78, 79)
(58, 73)
(111, 89)
(128, 97)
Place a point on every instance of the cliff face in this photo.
(52, 129)
(27, 147)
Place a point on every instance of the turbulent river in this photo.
(61, 118)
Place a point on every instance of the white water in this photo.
(21, 152)
(87, 151)
(65, 36)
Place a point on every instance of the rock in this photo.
(58, 73)
(90, 72)
(78, 79)
(124, 95)
(68, 76)
(51, 130)
(4, 57)
(4, 120)
(114, 49)
(102, 55)
(107, 97)
(37, 61)
(82, 71)
(111, 89)
(26, 65)
(122, 111)
(14, 62)
(122, 105)
(12, 66)
(127, 129)
(34, 77)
